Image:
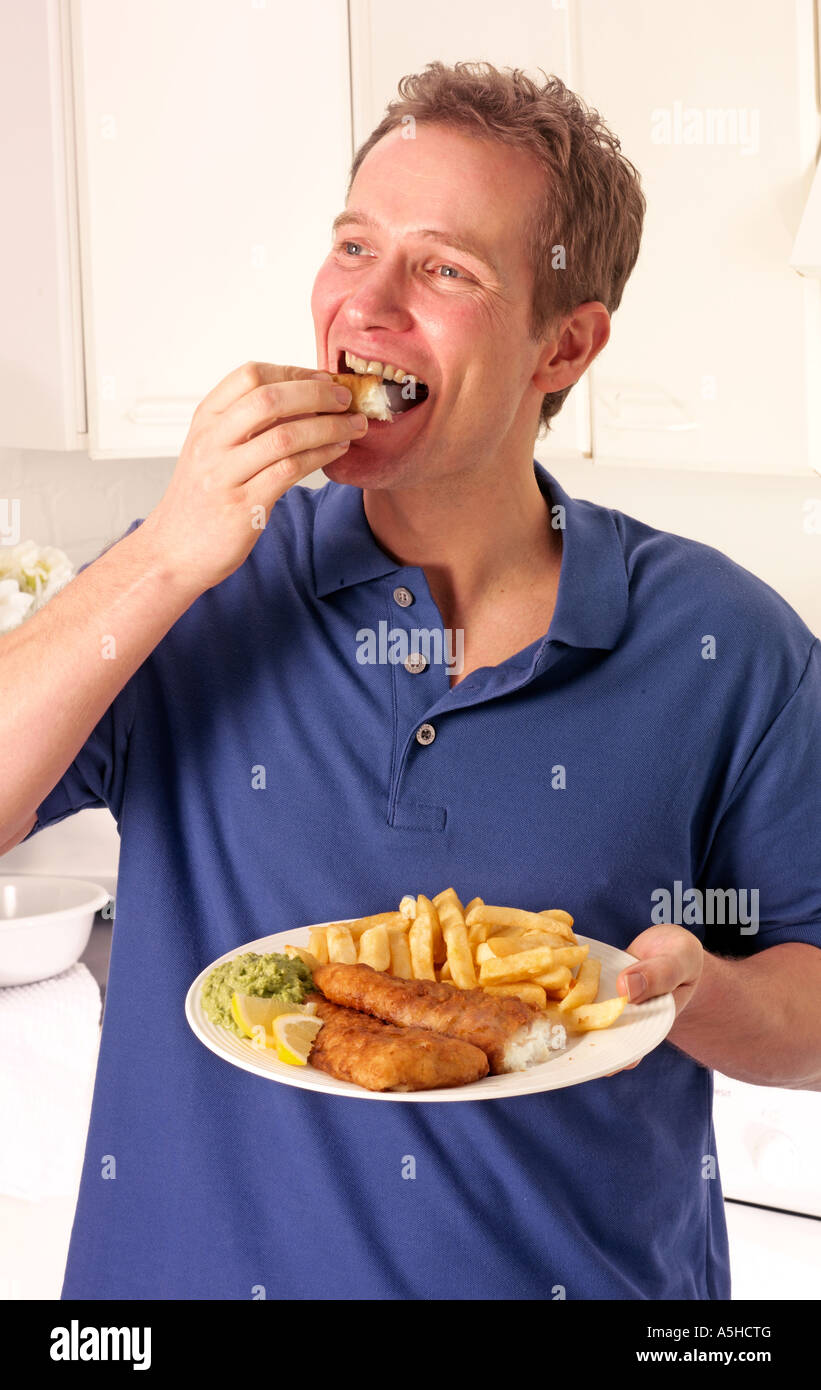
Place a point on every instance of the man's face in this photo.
(444, 314)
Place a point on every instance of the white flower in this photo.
(14, 605)
(40, 571)
(30, 574)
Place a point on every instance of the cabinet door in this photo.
(389, 40)
(214, 145)
(42, 401)
(715, 356)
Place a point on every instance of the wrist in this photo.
(706, 998)
(160, 567)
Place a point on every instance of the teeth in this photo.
(387, 372)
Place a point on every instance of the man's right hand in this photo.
(262, 429)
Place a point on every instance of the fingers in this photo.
(247, 378)
(266, 405)
(663, 974)
(650, 978)
(669, 957)
(271, 481)
(292, 449)
(633, 984)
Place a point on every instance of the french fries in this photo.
(421, 937)
(599, 1015)
(586, 987)
(506, 951)
(341, 945)
(375, 948)
(506, 970)
(516, 917)
(300, 953)
(454, 930)
(400, 954)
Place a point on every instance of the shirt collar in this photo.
(591, 603)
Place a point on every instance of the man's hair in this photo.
(592, 205)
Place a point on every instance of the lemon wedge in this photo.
(251, 1012)
(293, 1037)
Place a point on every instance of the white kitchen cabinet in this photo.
(715, 356)
(171, 169)
(42, 387)
(212, 141)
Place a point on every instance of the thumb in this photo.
(649, 978)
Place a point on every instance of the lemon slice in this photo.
(251, 1012)
(293, 1037)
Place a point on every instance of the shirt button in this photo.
(425, 734)
(403, 597)
(415, 663)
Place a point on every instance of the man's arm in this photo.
(54, 681)
(758, 1019)
(62, 668)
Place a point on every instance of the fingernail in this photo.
(636, 985)
(321, 376)
(343, 395)
(359, 422)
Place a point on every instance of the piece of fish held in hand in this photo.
(513, 1035)
(380, 1056)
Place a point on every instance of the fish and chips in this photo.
(436, 994)
(507, 981)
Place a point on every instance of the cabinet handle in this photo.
(636, 407)
(162, 410)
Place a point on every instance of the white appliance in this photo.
(769, 1147)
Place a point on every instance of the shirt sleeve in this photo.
(768, 841)
(96, 777)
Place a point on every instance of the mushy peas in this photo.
(270, 976)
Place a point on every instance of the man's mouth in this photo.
(404, 390)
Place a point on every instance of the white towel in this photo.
(49, 1039)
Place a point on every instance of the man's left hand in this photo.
(670, 961)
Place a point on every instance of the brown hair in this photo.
(593, 205)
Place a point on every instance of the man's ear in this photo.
(576, 340)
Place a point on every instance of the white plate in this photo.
(639, 1029)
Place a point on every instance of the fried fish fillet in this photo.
(513, 1035)
(381, 1057)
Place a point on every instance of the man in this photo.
(586, 756)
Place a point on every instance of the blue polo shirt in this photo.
(666, 729)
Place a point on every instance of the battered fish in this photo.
(381, 1057)
(513, 1035)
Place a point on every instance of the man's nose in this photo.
(381, 294)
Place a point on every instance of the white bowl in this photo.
(45, 923)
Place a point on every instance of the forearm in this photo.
(61, 669)
(758, 1019)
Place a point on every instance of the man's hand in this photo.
(262, 429)
(670, 961)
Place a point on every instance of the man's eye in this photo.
(455, 273)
